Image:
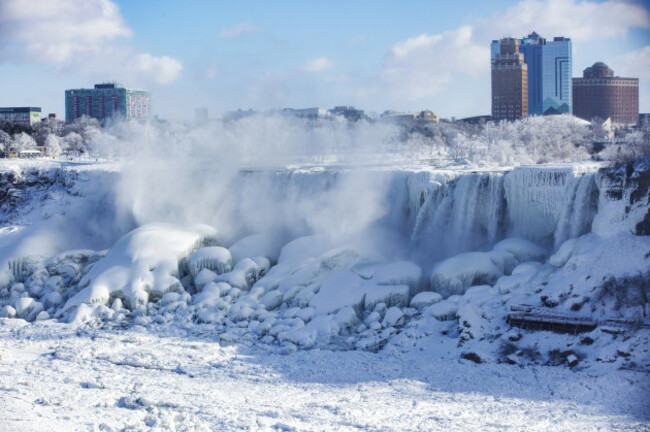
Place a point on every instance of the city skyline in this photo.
(405, 56)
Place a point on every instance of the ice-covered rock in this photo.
(444, 310)
(390, 295)
(394, 316)
(425, 299)
(346, 318)
(214, 258)
(562, 255)
(521, 249)
(7, 312)
(341, 289)
(399, 273)
(27, 308)
(204, 277)
(319, 330)
(456, 274)
(272, 299)
(250, 270)
(234, 278)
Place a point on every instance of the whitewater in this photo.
(157, 293)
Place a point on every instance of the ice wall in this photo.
(430, 214)
(423, 214)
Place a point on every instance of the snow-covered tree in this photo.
(5, 141)
(73, 142)
(22, 141)
(52, 146)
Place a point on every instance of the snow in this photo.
(214, 258)
(406, 310)
(424, 299)
(142, 262)
(146, 381)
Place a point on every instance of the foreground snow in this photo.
(67, 378)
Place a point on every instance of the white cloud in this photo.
(54, 31)
(425, 65)
(579, 20)
(635, 64)
(162, 70)
(318, 64)
(79, 35)
(238, 29)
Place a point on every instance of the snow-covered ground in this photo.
(323, 297)
(57, 377)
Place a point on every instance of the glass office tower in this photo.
(549, 73)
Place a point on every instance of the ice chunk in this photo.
(425, 299)
(521, 249)
(205, 276)
(235, 278)
(399, 273)
(559, 258)
(530, 267)
(263, 265)
(250, 269)
(321, 329)
(27, 308)
(391, 295)
(7, 312)
(442, 311)
(456, 274)
(394, 316)
(215, 258)
(339, 290)
(272, 299)
(346, 317)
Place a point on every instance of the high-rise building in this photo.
(509, 82)
(24, 116)
(601, 94)
(549, 73)
(108, 100)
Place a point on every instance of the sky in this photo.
(403, 55)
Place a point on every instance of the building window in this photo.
(89, 106)
(76, 108)
(102, 108)
(115, 106)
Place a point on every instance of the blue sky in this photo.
(374, 54)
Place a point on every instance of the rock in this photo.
(425, 299)
(42, 316)
(442, 311)
(572, 360)
(272, 299)
(204, 277)
(346, 317)
(7, 312)
(393, 317)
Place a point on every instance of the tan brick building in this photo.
(509, 82)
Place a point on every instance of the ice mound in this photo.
(456, 274)
(213, 258)
(143, 263)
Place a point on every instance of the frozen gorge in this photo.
(419, 262)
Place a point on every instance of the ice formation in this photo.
(435, 252)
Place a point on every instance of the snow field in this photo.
(71, 378)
